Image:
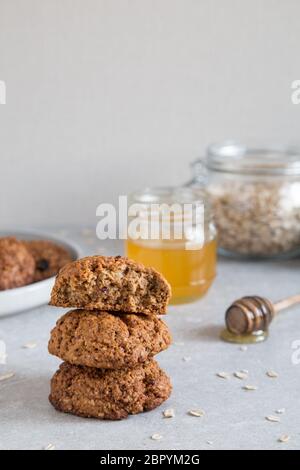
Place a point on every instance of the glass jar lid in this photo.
(234, 157)
(175, 202)
(169, 195)
(168, 215)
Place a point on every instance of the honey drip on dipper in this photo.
(248, 319)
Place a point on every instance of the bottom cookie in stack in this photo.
(109, 371)
(109, 394)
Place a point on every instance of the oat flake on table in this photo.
(223, 375)
(6, 376)
(170, 413)
(197, 413)
(242, 375)
(272, 374)
(186, 359)
(273, 419)
(250, 387)
(49, 447)
(284, 438)
(156, 437)
(30, 345)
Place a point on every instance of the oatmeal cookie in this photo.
(108, 394)
(111, 284)
(16, 264)
(108, 340)
(49, 258)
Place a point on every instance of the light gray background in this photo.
(104, 96)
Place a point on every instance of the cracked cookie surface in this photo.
(111, 284)
(109, 394)
(108, 340)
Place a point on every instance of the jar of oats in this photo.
(255, 197)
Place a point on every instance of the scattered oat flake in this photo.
(178, 343)
(198, 413)
(186, 358)
(280, 411)
(30, 345)
(272, 374)
(250, 387)
(49, 447)
(284, 438)
(243, 348)
(223, 375)
(170, 413)
(210, 443)
(156, 437)
(241, 375)
(273, 419)
(6, 376)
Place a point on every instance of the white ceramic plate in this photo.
(31, 296)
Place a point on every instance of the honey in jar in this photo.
(187, 262)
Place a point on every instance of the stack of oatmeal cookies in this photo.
(109, 341)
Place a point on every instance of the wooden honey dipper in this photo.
(252, 313)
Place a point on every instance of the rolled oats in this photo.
(257, 218)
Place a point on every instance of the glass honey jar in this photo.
(171, 229)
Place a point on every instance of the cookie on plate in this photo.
(108, 340)
(48, 256)
(108, 394)
(16, 264)
(111, 284)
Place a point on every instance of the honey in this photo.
(251, 338)
(189, 271)
(171, 229)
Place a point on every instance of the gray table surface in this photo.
(234, 418)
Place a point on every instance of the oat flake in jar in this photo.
(255, 197)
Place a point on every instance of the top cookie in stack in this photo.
(112, 284)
